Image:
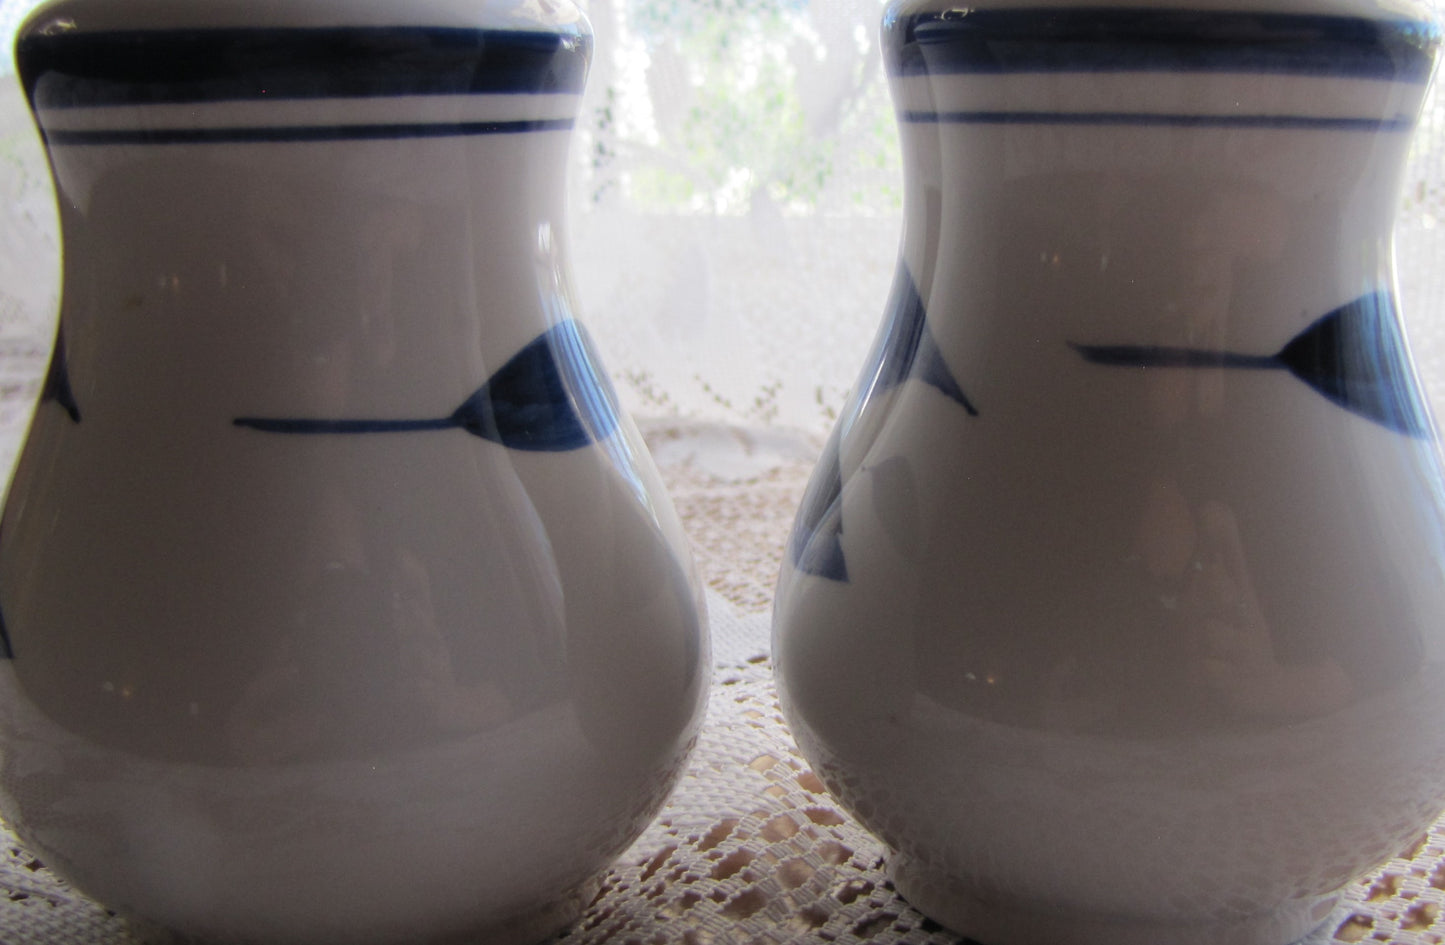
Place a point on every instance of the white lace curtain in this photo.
(736, 208)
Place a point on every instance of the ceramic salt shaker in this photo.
(341, 602)
(1115, 604)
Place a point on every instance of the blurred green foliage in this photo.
(715, 105)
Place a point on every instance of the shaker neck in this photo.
(1154, 156)
(1287, 101)
(139, 93)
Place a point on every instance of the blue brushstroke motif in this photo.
(817, 543)
(549, 397)
(57, 381)
(7, 652)
(906, 350)
(909, 349)
(1355, 356)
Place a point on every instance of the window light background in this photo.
(736, 208)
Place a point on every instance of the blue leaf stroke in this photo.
(551, 396)
(1355, 356)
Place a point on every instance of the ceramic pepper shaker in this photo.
(341, 601)
(1114, 607)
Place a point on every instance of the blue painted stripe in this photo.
(68, 68)
(299, 133)
(284, 425)
(1304, 122)
(1158, 40)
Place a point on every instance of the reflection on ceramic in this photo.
(1138, 640)
(268, 681)
(56, 388)
(907, 350)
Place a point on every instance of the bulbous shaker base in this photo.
(539, 924)
(995, 921)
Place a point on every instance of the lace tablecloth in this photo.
(750, 848)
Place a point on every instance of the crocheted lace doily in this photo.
(750, 848)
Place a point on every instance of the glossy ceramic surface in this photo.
(340, 601)
(1114, 605)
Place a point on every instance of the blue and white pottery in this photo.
(1116, 604)
(341, 604)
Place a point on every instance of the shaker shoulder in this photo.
(551, 16)
(1392, 40)
(84, 53)
(1422, 10)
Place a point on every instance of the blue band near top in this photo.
(1158, 40)
(63, 69)
(296, 134)
(1394, 125)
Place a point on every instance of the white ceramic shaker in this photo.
(1116, 606)
(341, 602)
